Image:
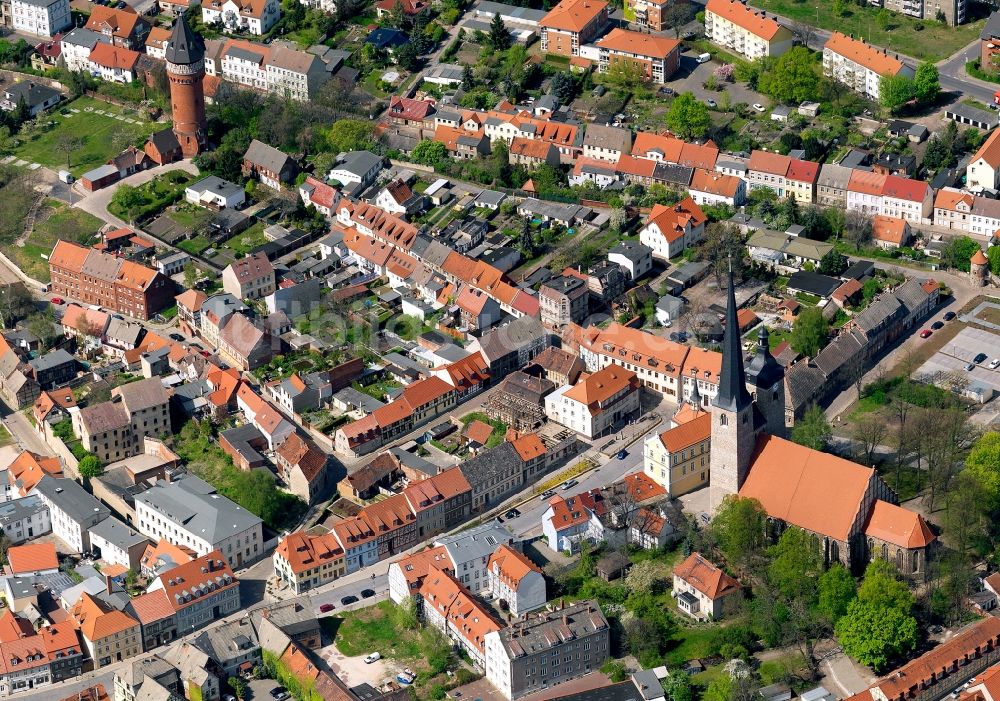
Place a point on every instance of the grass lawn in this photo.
(241, 244)
(190, 217)
(366, 630)
(195, 245)
(98, 132)
(934, 42)
(4, 436)
(689, 644)
(56, 221)
(775, 337)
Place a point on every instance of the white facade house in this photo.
(513, 578)
(77, 45)
(596, 404)
(188, 512)
(891, 196)
(72, 511)
(749, 32)
(250, 16)
(983, 170)
(469, 552)
(859, 65)
(40, 17)
(216, 193)
(24, 519)
(635, 259)
(670, 230)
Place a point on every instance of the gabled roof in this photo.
(674, 220)
(304, 552)
(573, 15)
(120, 23)
(97, 620)
(990, 150)
(511, 566)
(706, 577)
(687, 434)
(189, 584)
(110, 56)
(864, 54)
(898, 526)
(33, 557)
(638, 43)
(599, 387)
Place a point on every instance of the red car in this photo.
(206, 353)
(326, 608)
(57, 300)
(925, 333)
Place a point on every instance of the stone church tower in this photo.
(185, 55)
(734, 435)
(766, 382)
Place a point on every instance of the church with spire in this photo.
(734, 445)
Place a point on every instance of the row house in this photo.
(859, 65)
(664, 148)
(972, 214)
(407, 112)
(33, 660)
(452, 609)
(532, 153)
(983, 171)
(304, 561)
(113, 63)
(461, 143)
(108, 281)
(76, 45)
(709, 187)
(787, 176)
(663, 366)
(606, 143)
(891, 196)
(271, 69)
(200, 591)
(371, 220)
(358, 540)
(747, 31)
(658, 57)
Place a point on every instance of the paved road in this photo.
(96, 203)
(22, 430)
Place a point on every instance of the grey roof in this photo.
(972, 113)
(360, 163)
(128, 332)
(526, 387)
(813, 283)
(90, 585)
(553, 210)
(31, 92)
(632, 250)
(733, 395)
(117, 533)
(193, 505)
(910, 294)
(513, 12)
(763, 370)
(834, 175)
(877, 313)
(222, 304)
(414, 461)
(490, 197)
(611, 138)
(500, 341)
(13, 511)
(670, 304)
(673, 173)
(81, 36)
(648, 684)
(564, 285)
(992, 28)
(538, 632)
(244, 54)
(100, 172)
(70, 497)
(491, 465)
(33, 584)
(52, 359)
(143, 394)
(803, 382)
(477, 543)
(290, 616)
(228, 640)
(838, 352)
(184, 46)
(352, 397)
(262, 154)
(217, 185)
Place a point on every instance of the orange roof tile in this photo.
(573, 15)
(187, 585)
(33, 557)
(97, 620)
(529, 446)
(478, 432)
(601, 386)
(715, 183)
(950, 199)
(741, 15)
(898, 526)
(990, 150)
(304, 552)
(417, 566)
(13, 627)
(28, 469)
(511, 566)
(687, 434)
(673, 220)
(706, 577)
(151, 607)
(889, 229)
(638, 43)
(864, 54)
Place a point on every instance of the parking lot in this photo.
(691, 76)
(949, 364)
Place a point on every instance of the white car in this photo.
(994, 364)
(759, 107)
(374, 657)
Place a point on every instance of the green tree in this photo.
(563, 86)
(128, 199)
(688, 117)
(839, 8)
(882, 19)
(791, 78)
(350, 135)
(624, 75)
(796, 563)
(959, 251)
(813, 430)
(407, 56)
(810, 331)
(191, 274)
(499, 36)
(983, 463)
(894, 91)
(875, 635)
(238, 686)
(90, 466)
(677, 687)
(429, 152)
(926, 84)
(739, 527)
(836, 590)
(833, 263)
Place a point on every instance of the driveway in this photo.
(691, 76)
(96, 203)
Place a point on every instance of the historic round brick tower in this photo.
(185, 55)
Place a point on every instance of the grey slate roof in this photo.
(217, 185)
(228, 640)
(69, 497)
(606, 137)
(31, 92)
(128, 332)
(478, 542)
(184, 46)
(632, 250)
(360, 163)
(834, 176)
(536, 633)
(733, 395)
(193, 504)
(117, 533)
(13, 511)
(81, 36)
(143, 394)
(502, 340)
(266, 156)
(487, 466)
(838, 352)
(52, 359)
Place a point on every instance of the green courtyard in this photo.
(98, 137)
(55, 221)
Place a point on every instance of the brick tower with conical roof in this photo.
(185, 55)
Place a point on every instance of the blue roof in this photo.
(384, 38)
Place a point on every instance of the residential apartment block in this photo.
(114, 430)
(563, 300)
(659, 57)
(113, 283)
(40, 17)
(269, 68)
(747, 31)
(785, 175)
(596, 404)
(891, 196)
(305, 561)
(200, 591)
(251, 277)
(571, 24)
(859, 65)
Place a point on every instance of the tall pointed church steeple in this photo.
(733, 395)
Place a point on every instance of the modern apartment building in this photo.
(113, 283)
(571, 24)
(658, 56)
(747, 31)
(859, 65)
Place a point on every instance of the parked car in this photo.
(350, 599)
(622, 454)
(326, 608)
(925, 333)
(547, 495)
(57, 300)
(979, 358)
(758, 107)
(177, 337)
(373, 657)
(994, 364)
(367, 593)
(937, 325)
(949, 316)
(711, 103)
(970, 367)
(513, 513)
(569, 484)
(279, 693)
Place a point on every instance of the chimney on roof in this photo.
(108, 584)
